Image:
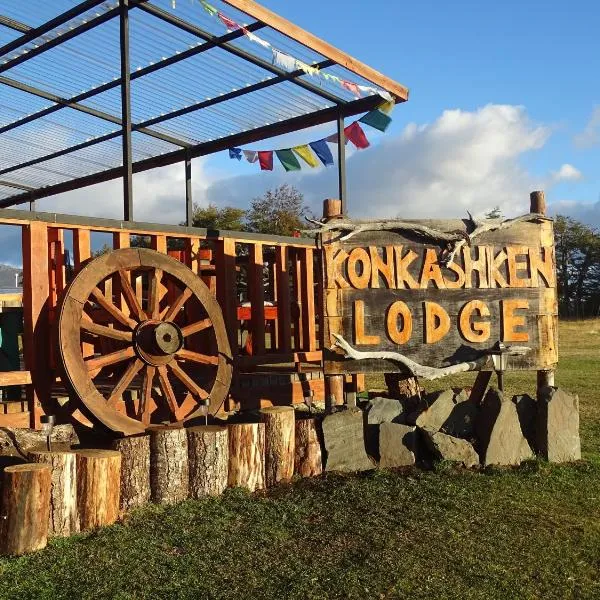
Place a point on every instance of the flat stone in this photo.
(527, 411)
(501, 441)
(447, 447)
(385, 410)
(17, 442)
(344, 442)
(558, 426)
(397, 445)
(439, 406)
(449, 412)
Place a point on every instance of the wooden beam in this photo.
(15, 378)
(271, 19)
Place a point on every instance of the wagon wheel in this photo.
(163, 335)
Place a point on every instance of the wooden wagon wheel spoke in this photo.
(127, 377)
(202, 359)
(177, 305)
(144, 407)
(167, 389)
(102, 330)
(111, 309)
(189, 383)
(109, 359)
(196, 327)
(154, 293)
(130, 297)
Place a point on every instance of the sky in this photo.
(504, 99)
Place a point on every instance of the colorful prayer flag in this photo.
(254, 38)
(251, 155)
(211, 10)
(283, 60)
(229, 23)
(387, 107)
(356, 135)
(235, 153)
(351, 87)
(306, 155)
(377, 119)
(288, 160)
(265, 159)
(321, 149)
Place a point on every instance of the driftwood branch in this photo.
(417, 370)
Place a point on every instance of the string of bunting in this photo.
(289, 63)
(309, 153)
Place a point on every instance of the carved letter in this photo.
(478, 331)
(510, 321)
(478, 265)
(360, 337)
(335, 267)
(459, 282)
(402, 264)
(431, 270)
(437, 322)
(386, 268)
(514, 267)
(359, 278)
(544, 267)
(402, 335)
(496, 279)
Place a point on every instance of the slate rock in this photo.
(344, 442)
(527, 411)
(447, 447)
(385, 410)
(449, 412)
(558, 425)
(501, 441)
(397, 445)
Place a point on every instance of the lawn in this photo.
(532, 532)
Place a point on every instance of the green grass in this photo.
(532, 532)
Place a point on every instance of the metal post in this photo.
(341, 162)
(189, 206)
(126, 112)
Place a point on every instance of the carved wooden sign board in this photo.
(395, 290)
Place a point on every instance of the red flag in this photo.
(229, 23)
(266, 160)
(351, 87)
(356, 135)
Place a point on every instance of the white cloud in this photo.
(590, 136)
(567, 172)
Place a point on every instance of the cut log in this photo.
(247, 456)
(208, 451)
(63, 520)
(98, 487)
(308, 461)
(279, 443)
(25, 508)
(135, 471)
(169, 475)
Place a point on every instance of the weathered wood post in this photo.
(25, 508)
(63, 519)
(135, 470)
(247, 455)
(208, 451)
(334, 384)
(308, 461)
(279, 424)
(98, 487)
(169, 471)
(538, 206)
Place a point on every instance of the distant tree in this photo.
(213, 217)
(105, 248)
(495, 213)
(280, 211)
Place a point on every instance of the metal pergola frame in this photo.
(263, 18)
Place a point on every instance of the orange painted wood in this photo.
(56, 264)
(82, 248)
(273, 20)
(282, 292)
(21, 420)
(244, 313)
(226, 289)
(309, 334)
(159, 243)
(120, 240)
(297, 298)
(15, 378)
(36, 335)
(256, 294)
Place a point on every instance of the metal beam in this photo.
(17, 186)
(341, 134)
(205, 35)
(18, 85)
(14, 24)
(302, 122)
(126, 110)
(59, 20)
(171, 60)
(189, 205)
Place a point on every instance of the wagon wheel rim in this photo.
(151, 341)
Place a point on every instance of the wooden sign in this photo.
(440, 303)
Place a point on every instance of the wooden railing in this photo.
(265, 285)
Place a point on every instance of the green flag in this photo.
(288, 160)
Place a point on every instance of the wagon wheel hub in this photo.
(157, 342)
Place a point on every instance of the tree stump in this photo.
(98, 487)
(247, 455)
(208, 452)
(279, 443)
(64, 520)
(308, 460)
(135, 471)
(169, 475)
(25, 508)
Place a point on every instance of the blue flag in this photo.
(321, 149)
(235, 153)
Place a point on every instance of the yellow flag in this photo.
(305, 153)
(386, 107)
